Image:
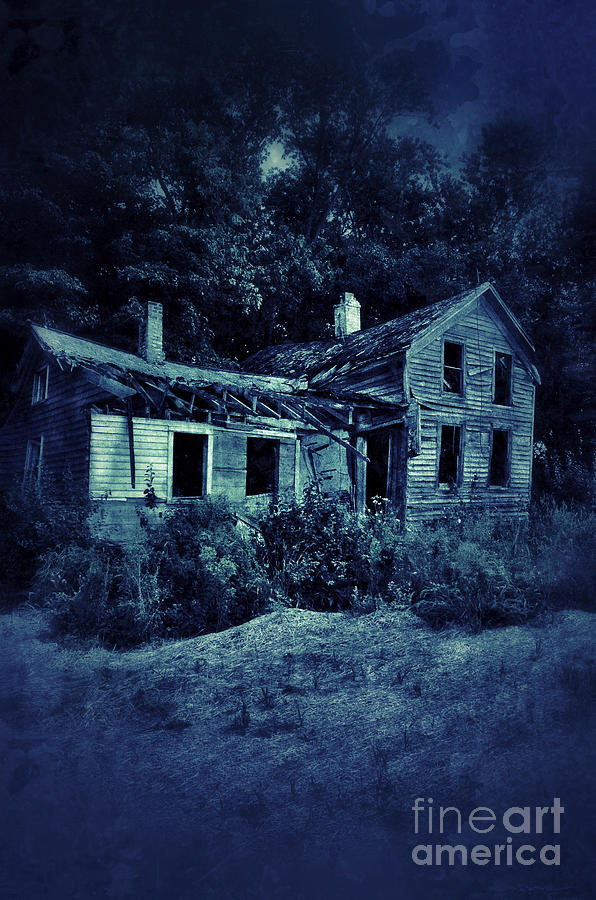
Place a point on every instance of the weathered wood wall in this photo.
(109, 465)
(61, 419)
(323, 459)
(482, 334)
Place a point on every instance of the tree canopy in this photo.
(132, 175)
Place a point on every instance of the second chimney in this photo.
(347, 316)
(151, 333)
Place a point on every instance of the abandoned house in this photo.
(430, 409)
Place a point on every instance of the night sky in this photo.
(64, 62)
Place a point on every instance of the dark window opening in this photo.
(190, 457)
(449, 461)
(499, 459)
(453, 374)
(262, 456)
(503, 370)
(377, 470)
(33, 460)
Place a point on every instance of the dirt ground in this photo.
(282, 758)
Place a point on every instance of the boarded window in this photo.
(449, 457)
(453, 375)
(33, 460)
(262, 465)
(40, 385)
(499, 458)
(503, 370)
(190, 465)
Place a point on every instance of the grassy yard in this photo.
(281, 758)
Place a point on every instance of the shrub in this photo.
(564, 477)
(194, 573)
(311, 548)
(209, 575)
(471, 570)
(90, 590)
(34, 519)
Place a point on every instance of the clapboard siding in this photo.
(324, 461)
(382, 379)
(109, 465)
(481, 335)
(62, 419)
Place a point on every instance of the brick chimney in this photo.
(347, 316)
(151, 333)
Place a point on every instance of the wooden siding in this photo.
(324, 459)
(382, 379)
(481, 335)
(109, 469)
(62, 419)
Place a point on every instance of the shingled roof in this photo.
(393, 337)
(114, 363)
(295, 360)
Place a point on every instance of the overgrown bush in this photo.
(469, 570)
(564, 478)
(34, 519)
(194, 573)
(311, 550)
(208, 572)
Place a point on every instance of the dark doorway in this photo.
(499, 458)
(262, 464)
(190, 455)
(377, 470)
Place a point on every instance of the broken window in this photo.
(499, 458)
(189, 465)
(453, 373)
(449, 457)
(262, 455)
(503, 371)
(33, 459)
(40, 385)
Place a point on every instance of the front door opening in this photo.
(190, 456)
(377, 470)
(262, 466)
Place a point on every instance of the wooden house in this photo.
(438, 404)
(433, 408)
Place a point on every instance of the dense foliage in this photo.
(194, 573)
(197, 571)
(247, 176)
(34, 519)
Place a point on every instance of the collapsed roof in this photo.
(320, 362)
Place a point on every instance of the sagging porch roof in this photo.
(111, 361)
(219, 396)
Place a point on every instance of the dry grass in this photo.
(283, 755)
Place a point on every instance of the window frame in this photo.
(445, 485)
(207, 433)
(32, 470)
(507, 483)
(39, 388)
(276, 441)
(444, 391)
(494, 385)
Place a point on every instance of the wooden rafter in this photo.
(327, 431)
